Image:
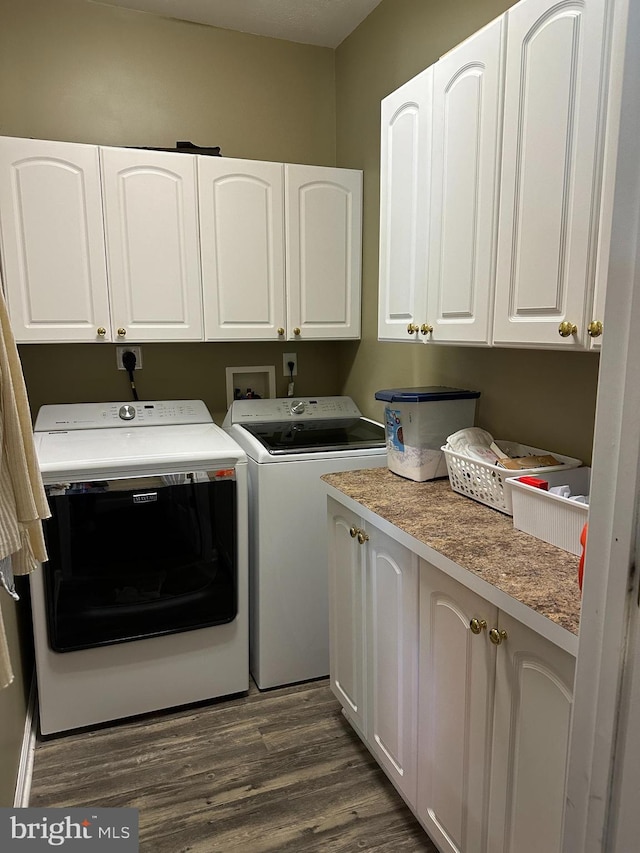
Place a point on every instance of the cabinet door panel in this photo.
(392, 633)
(404, 207)
(52, 240)
(534, 685)
(152, 244)
(346, 614)
(323, 251)
(455, 710)
(548, 203)
(466, 131)
(242, 239)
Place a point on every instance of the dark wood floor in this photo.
(270, 772)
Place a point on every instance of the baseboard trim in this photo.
(27, 754)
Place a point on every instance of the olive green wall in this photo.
(88, 372)
(83, 72)
(546, 399)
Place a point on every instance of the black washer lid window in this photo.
(315, 436)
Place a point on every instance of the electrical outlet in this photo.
(137, 351)
(286, 358)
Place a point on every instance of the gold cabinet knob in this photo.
(121, 332)
(426, 329)
(566, 329)
(101, 332)
(412, 328)
(296, 331)
(594, 329)
(497, 636)
(362, 537)
(280, 331)
(353, 532)
(478, 625)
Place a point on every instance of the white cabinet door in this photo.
(373, 618)
(151, 228)
(242, 244)
(392, 655)
(323, 252)
(548, 208)
(52, 241)
(467, 119)
(405, 169)
(347, 614)
(456, 678)
(534, 690)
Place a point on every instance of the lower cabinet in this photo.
(466, 709)
(533, 696)
(457, 680)
(373, 588)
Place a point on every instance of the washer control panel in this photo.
(140, 413)
(291, 408)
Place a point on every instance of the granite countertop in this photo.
(477, 538)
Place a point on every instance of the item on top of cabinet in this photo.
(416, 432)
(553, 516)
(488, 483)
(186, 147)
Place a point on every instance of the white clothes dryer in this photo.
(290, 443)
(143, 603)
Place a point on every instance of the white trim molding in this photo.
(27, 755)
(596, 750)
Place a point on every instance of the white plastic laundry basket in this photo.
(487, 483)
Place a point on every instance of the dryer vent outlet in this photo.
(137, 351)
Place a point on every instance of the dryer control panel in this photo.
(291, 408)
(141, 413)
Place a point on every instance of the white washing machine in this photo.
(290, 444)
(143, 603)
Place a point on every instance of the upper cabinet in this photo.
(151, 226)
(467, 113)
(52, 241)
(242, 239)
(120, 244)
(438, 197)
(281, 250)
(511, 171)
(323, 250)
(549, 196)
(405, 148)
(99, 244)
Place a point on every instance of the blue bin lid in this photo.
(428, 393)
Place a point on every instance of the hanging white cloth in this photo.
(23, 503)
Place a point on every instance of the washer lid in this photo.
(102, 453)
(286, 438)
(425, 394)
